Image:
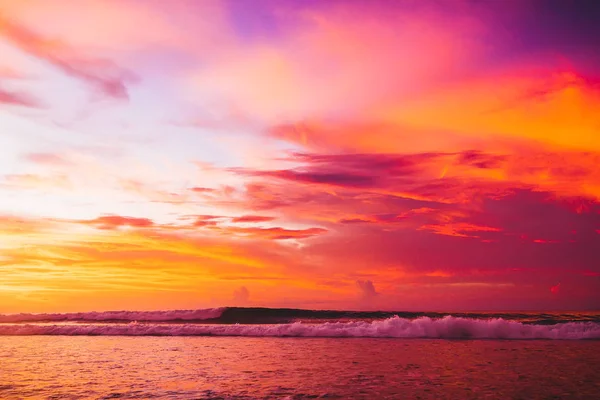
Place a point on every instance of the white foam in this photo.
(156, 316)
(448, 327)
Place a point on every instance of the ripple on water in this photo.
(295, 368)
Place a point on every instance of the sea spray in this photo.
(448, 327)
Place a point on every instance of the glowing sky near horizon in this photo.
(417, 155)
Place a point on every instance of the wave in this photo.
(119, 316)
(258, 315)
(395, 327)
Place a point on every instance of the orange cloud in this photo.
(252, 218)
(202, 190)
(541, 106)
(459, 229)
(33, 181)
(117, 221)
(279, 233)
(105, 264)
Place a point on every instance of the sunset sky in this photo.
(401, 154)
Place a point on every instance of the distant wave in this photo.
(119, 316)
(395, 327)
(247, 315)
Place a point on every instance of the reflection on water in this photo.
(295, 368)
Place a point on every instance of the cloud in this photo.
(112, 222)
(451, 177)
(49, 159)
(481, 160)
(327, 178)
(102, 74)
(241, 296)
(202, 190)
(278, 233)
(18, 99)
(350, 171)
(9, 73)
(35, 181)
(164, 263)
(492, 258)
(15, 225)
(298, 74)
(484, 112)
(367, 290)
(82, 21)
(252, 218)
(460, 229)
(11, 97)
(501, 106)
(200, 223)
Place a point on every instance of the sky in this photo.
(394, 155)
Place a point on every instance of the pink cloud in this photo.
(132, 26)
(17, 99)
(47, 159)
(314, 71)
(102, 74)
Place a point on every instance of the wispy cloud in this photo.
(18, 99)
(252, 218)
(117, 221)
(102, 74)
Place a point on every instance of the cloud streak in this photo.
(17, 99)
(105, 76)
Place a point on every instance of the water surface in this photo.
(103, 367)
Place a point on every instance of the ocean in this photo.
(256, 353)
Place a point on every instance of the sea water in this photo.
(182, 355)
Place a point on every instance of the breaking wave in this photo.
(258, 315)
(448, 327)
(119, 316)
